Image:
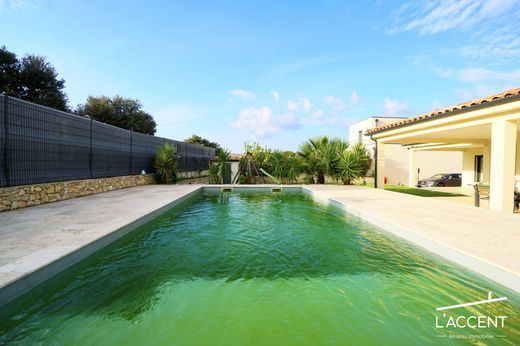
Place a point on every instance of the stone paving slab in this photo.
(32, 238)
(485, 241)
(38, 242)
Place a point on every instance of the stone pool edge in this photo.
(19, 286)
(492, 271)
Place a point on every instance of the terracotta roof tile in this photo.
(442, 111)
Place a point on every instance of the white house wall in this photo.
(518, 158)
(434, 162)
(429, 162)
(468, 166)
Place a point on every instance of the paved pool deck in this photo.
(484, 241)
(63, 233)
(38, 242)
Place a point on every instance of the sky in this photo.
(272, 72)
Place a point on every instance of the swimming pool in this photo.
(257, 268)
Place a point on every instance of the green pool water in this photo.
(257, 269)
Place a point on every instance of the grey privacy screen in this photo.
(40, 144)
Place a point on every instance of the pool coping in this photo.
(488, 269)
(19, 286)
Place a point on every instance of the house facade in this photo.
(396, 159)
(485, 131)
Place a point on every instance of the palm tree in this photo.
(165, 164)
(224, 169)
(213, 175)
(321, 156)
(293, 167)
(219, 168)
(313, 151)
(352, 163)
(278, 165)
(334, 158)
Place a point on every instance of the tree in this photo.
(334, 158)
(9, 72)
(32, 79)
(219, 168)
(165, 164)
(122, 112)
(285, 166)
(318, 155)
(352, 163)
(195, 139)
(261, 155)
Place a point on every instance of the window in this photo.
(360, 136)
(479, 168)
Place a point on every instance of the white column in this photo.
(517, 158)
(412, 167)
(502, 171)
(486, 153)
(380, 179)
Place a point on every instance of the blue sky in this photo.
(271, 71)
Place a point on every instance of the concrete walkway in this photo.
(487, 242)
(32, 238)
(38, 242)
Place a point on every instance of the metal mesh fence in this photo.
(111, 154)
(3, 152)
(39, 144)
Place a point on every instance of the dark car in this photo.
(441, 180)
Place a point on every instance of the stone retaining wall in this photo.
(200, 180)
(27, 195)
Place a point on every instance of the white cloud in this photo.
(435, 16)
(319, 118)
(276, 95)
(354, 98)
(490, 26)
(395, 108)
(18, 5)
(338, 104)
(245, 94)
(287, 121)
(478, 78)
(468, 94)
(262, 123)
(484, 75)
(335, 102)
(299, 106)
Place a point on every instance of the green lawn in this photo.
(418, 192)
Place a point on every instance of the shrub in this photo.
(213, 177)
(224, 167)
(219, 170)
(165, 164)
(352, 163)
(335, 158)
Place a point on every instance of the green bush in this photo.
(165, 164)
(213, 176)
(335, 158)
(220, 168)
(352, 163)
(262, 155)
(285, 166)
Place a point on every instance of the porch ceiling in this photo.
(467, 135)
(480, 134)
